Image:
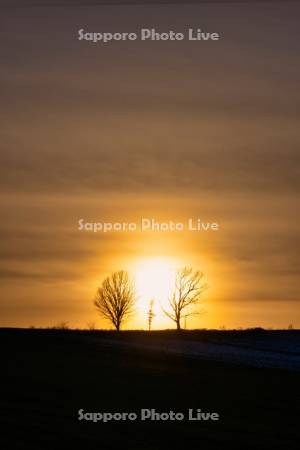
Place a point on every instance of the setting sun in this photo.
(154, 280)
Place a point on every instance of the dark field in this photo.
(48, 375)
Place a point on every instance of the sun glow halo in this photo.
(154, 279)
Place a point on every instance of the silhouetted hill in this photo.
(48, 375)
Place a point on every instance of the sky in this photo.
(167, 130)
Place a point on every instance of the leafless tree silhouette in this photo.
(150, 314)
(115, 298)
(187, 294)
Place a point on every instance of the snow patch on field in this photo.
(258, 352)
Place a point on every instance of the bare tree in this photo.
(150, 314)
(186, 295)
(115, 298)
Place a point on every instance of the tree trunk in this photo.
(178, 324)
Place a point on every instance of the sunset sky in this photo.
(166, 130)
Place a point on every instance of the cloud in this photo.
(112, 133)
